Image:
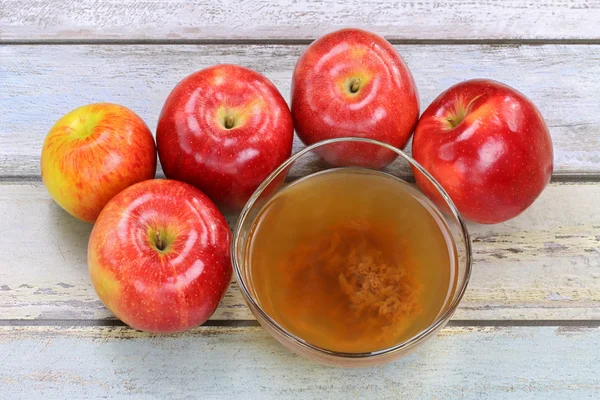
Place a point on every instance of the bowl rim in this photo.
(406, 344)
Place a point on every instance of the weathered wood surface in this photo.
(462, 363)
(545, 264)
(540, 269)
(43, 269)
(42, 83)
(38, 20)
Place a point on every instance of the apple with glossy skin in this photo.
(488, 146)
(224, 129)
(94, 152)
(159, 256)
(354, 83)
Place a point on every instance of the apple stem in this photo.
(229, 121)
(455, 120)
(354, 85)
(159, 242)
(460, 112)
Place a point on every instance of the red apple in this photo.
(94, 152)
(159, 256)
(488, 146)
(224, 129)
(354, 83)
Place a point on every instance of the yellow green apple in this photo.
(94, 152)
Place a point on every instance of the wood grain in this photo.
(37, 20)
(542, 267)
(41, 83)
(44, 272)
(545, 264)
(467, 363)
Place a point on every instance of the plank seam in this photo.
(111, 322)
(254, 323)
(298, 42)
(556, 178)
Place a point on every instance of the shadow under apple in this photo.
(70, 235)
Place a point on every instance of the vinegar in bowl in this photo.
(351, 260)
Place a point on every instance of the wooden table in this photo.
(529, 325)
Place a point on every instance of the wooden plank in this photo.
(41, 83)
(35, 20)
(542, 265)
(227, 363)
(44, 262)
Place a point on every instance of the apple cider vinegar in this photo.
(351, 260)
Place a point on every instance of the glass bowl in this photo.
(311, 160)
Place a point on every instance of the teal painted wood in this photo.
(229, 363)
(544, 264)
(42, 83)
(281, 19)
